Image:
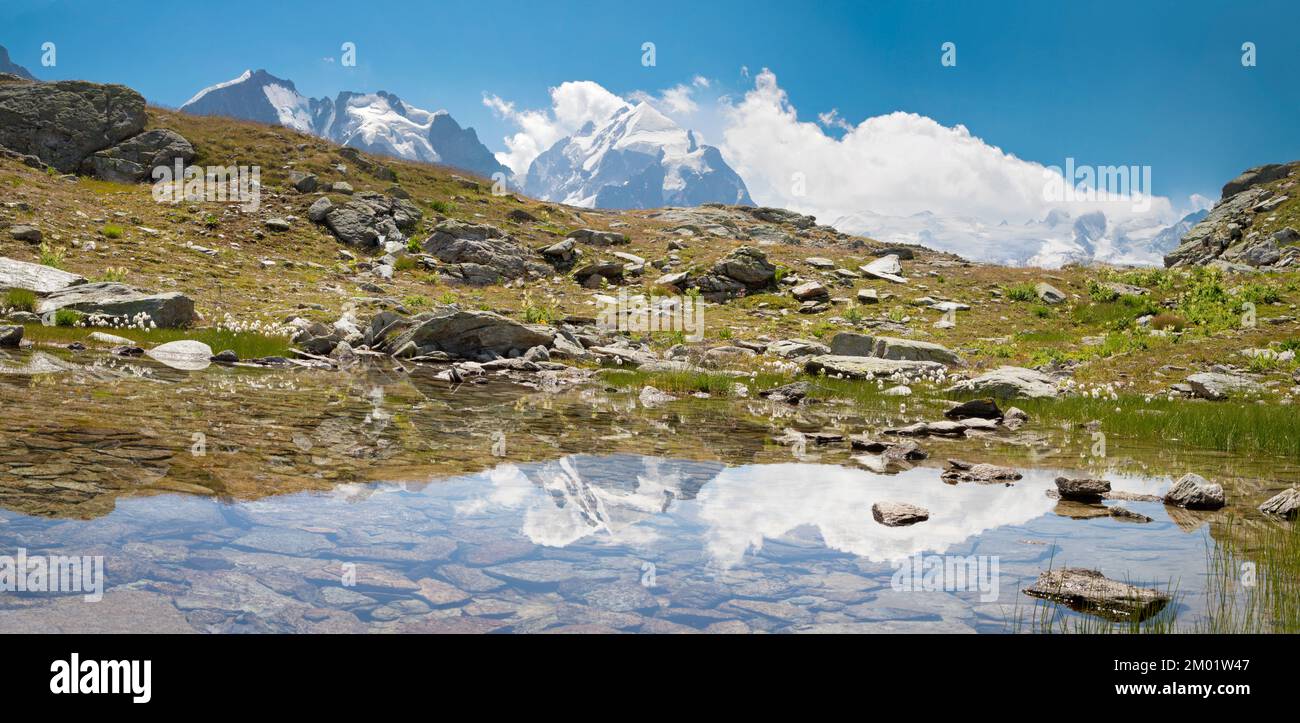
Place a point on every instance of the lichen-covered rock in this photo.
(482, 254)
(1008, 383)
(65, 121)
(122, 303)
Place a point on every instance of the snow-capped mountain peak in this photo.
(636, 158)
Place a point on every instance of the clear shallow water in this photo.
(592, 543)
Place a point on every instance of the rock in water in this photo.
(184, 354)
(1285, 504)
(1082, 490)
(898, 514)
(983, 473)
(977, 408)
(1194, 492)
(1008, 383)
(1090, 591)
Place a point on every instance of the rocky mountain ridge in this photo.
(377, 122)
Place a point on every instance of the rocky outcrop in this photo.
(38, 279)
(63, 122)
(482, 254)
(1008, 383)
(372, 218)
(884, 347)
(1231, 233)
(1090, 591)
(122, 303)
(134, 159)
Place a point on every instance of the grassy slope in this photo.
(309, 272)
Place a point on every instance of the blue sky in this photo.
(1150, 83)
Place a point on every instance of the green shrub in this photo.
(66, 317)
(1020, 292)
(51, 256)
(112, 231)
(20, 300)
(113, 273)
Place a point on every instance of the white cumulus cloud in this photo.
(573, 104)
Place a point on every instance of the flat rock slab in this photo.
(1216, 386)
(1008, 383)
(38, 279)
(1091, 592)
(851, 344)
(857, 367)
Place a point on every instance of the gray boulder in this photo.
(598, 238)
(63, 122)
(134, 159)
(1048, 294)
(35, 278)
(1007, 383)
(884, 347)
(1217, 386)
(1194, 492)
(23, 232)
(183, 354)
(121, 302)
(319, 209)
(303, 182)
(11, 335)
(469, 334)
(747, 266)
